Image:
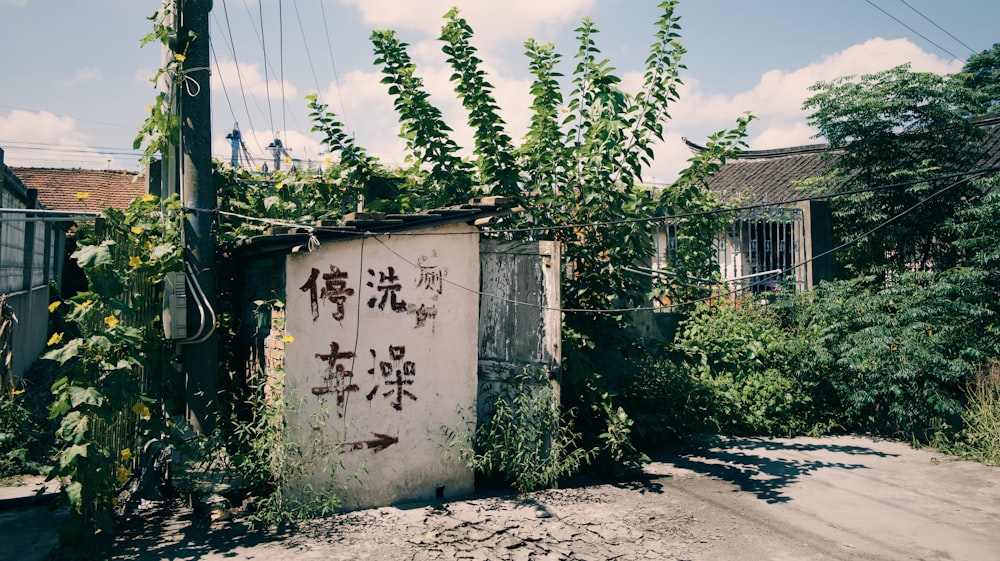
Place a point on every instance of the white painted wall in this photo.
(403, 373)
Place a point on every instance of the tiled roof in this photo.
(771, 175)
(58, 189)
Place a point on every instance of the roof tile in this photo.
(58, 188)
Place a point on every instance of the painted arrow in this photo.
(379, 443)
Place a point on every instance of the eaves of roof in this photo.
(775, 175)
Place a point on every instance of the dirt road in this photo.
(837, 498)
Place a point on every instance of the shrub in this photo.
(750, 368)
(525, 443)
(979, 439)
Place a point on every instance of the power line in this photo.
(333, 61)
(934, 23)
(305, 43)
(239, 73)
(263, 46)
(962, 178)
(921, 35)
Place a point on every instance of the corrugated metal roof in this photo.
(358, 224)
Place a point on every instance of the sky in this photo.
(76, 83)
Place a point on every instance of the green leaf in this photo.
(91, 256)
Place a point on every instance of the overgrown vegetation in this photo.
(526, 442)
(109, 357)
(22, 428)
(886, 349)
(979, 439)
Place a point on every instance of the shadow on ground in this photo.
(177, 532)
(759, 466)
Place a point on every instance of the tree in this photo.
(981, 77)
(577, 173)
(891, 134)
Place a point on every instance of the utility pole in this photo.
(201, 355)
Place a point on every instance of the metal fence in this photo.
(31, 257)
(758, 250)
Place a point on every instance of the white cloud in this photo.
(247, 79)
(776, 99)
(493, 22)
(82, 75)
(778, 95)
(44, 139)
(794, 134)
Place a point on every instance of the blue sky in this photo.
(76, 82)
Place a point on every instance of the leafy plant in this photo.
(752, 367)
(526, 443)
(979, 439)
(101, 386)
(888, 128)
(577, 174)
(276, 467)
(618, 445)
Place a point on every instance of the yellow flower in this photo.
(55, 339)
(279, 187)
(327, 160)
(137, 230)
(83, 195)
(149, 108)
(179, 57)
(126, 454)
(111, 321)
(288, 339)
(134, 261)
(123, 474)
(148, 198)
(84, 305)
(141, 410)
(54, 306)
(287, 159)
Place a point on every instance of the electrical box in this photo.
(174, 305)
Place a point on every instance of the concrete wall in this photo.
(383, 358)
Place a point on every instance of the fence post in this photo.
(28, 262)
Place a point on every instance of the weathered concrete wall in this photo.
(383, 356)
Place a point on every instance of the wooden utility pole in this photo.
(201, 354)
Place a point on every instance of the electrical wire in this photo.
(680, 305)
(239, 73)
(333, 61)
(281, 69)
(921, 35)
(267, 82)
(625, 221)
(934, 23)
(305, 43)
(965, 177)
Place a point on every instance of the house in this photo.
(782, 234)
(393, 332)
(82, 191)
